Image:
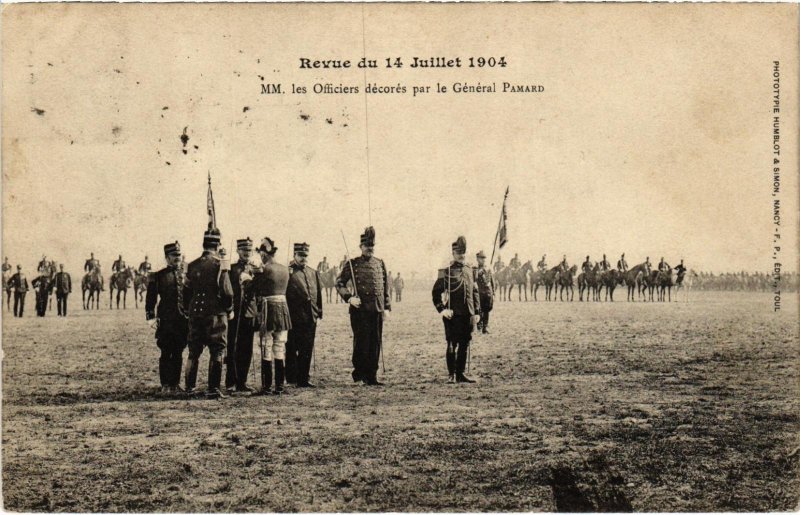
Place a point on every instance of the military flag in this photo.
(502, 230)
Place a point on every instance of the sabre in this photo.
(349, 262)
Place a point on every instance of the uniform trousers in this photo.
(299, 350)
(171, 340)
(19, 303)
(367, 341)
(458, 333)
(240, 351)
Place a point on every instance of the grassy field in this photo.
(686, 406)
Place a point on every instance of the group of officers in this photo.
(47, 282)
(222, 306)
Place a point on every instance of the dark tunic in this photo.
(267, 286)
(372, 287)
(304, 296)
(164, 300)
(208, 298)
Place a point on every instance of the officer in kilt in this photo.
(269, 288)
(368, 306)
(456, 297)
(241, 327)
(208, 300)
(304, 296)
(483, 277)
(164, 310)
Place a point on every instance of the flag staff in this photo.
(500, 225)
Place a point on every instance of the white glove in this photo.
(386, 313)
(244, 277)
(475, 319)
(153, 323)
(355, 302)
(447, 313)
(224, 263)
(230, 315)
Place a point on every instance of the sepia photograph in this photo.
(400, 257)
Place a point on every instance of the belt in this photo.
(275, 298)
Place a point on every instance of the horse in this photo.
(328, 280)
(121, 281)
(139, 286)
(610, 279)
(91, 282)
(549, 279)
(537, 278)
(589, 281)
(633, 280)
(665, 282)
(649, 283)
(684, 282)
(519, 278)
(565, 281)
(502, 280)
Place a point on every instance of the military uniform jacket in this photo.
(164, 285)
(483, 277)
(90, 265)
(463, 290)
(372, 284)
(6, 267)
(19, 282)
(206, 290)
(62, 283)
(399, 283)
(42, 283)
(304, 295)
(244, 301)
(145, 267)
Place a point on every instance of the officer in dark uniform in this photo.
(20, 284)
(304, 297)
(514, 263)
(273, 319)
(42, 266)
(604, 264)
(92, 265)
(323, 265)
(663, 266)
(563, 265)
(166, 288)
(542, 264)
(456, 297)
(208, 301)
(485, 281)
(241, 327)
(681, 270)
(499, 265)
(145, 267)
(118, 265)
(43, 287)
(368, 307)
(62, 282)
(587, 266)
(622, 265)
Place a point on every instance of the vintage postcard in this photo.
(400, 257)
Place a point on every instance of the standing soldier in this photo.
(269, 289)
(208, 301)
(485, 281)
(169, 320)
(145, 267)
(63, 285)
(622, 265)
(6, 286)
(20, 284)
(323, 265)
(43, 288)
(399, 284)
(499, 265)
(456, 297)
(304, 297)
(369, 304)
(242, 326)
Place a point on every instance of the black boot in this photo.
(280, 375)
(266, 376)
(450, 357)
(164, 371)
(461, 364)
(230, 373)
(214, 379)
(191, 374)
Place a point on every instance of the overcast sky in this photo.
(652, 136)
